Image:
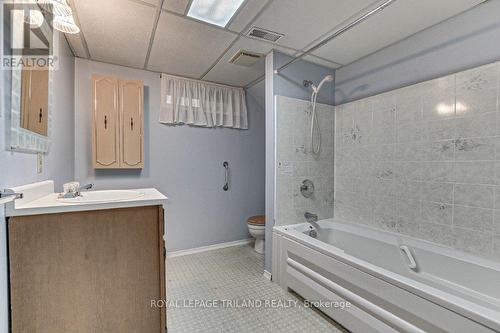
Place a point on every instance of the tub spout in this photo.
(312, 219)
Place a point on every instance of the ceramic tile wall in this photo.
(295, 162)
(425, 161)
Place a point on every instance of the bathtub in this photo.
(393, 283)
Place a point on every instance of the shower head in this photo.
(308, 83)
(328, 78)
(316, 146)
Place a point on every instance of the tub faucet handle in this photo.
(310, 217)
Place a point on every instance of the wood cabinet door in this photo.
(82, 272)
(131, 115)
(105, 122)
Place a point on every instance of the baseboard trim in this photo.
(208, 248)
(268, 275)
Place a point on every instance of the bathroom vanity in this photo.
(93, 264)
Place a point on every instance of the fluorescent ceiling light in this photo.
(218, 12)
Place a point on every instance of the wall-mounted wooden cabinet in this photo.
(118, 118)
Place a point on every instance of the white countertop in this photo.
(45, 202)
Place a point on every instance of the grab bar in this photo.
(411, 260)
(373, 309)
(226, 176)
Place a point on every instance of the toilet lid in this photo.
(257, 220)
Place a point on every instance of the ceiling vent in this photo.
(245, 58)
(260, 33)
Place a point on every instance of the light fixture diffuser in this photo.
(65, 24)
(56, 7)
(218, 12)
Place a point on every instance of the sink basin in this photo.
(103, 196)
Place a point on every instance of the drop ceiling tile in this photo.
(186, 47)
(322, 62)
(303, 21)
(151, 2)
(236, 75)
(116, 31)
(396, 22)
(75, 41)
(247, 12)
(178, 6)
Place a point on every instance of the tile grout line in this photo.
(153, 33)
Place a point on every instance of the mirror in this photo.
(35, 99)
(29, 51)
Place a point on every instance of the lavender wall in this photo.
(20, 168)
(184, 163)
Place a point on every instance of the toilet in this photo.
(257, 228)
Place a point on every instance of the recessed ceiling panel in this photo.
(186, 47)
(398, 21)
(116, 31)
(178, 6)
(303, 21)
(246, 14)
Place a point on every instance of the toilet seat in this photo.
(258, 220)
(256, 227)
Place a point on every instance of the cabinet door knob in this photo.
(105, 122)
(131, 124)
(40, 116)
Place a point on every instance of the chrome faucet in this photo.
(78, 191)
(10, 193)
(87, 187)
(312, 219)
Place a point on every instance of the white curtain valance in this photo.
(185, 101)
